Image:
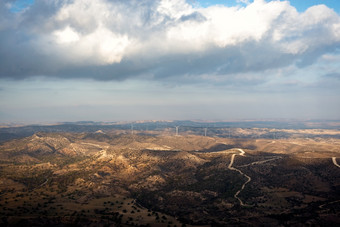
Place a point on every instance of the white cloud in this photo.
(121, 39)
(67, 35)
(243, 1)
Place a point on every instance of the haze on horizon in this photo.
(169, 59)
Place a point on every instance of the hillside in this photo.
(157, 179)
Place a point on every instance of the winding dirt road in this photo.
(337, 165)
(334, 162)
(261, 162)
(242, 153)
(230, 166)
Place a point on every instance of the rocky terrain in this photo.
(154, 178)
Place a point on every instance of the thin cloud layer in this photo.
(116, 40)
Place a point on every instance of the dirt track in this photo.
(248, 177)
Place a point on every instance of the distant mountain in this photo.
(7, 133)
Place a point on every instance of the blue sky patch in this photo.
(20, 5)
(300, 5)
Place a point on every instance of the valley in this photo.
(155, 178)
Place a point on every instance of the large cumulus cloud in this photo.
(115, 40)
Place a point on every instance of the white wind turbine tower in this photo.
(177, 130)
(205, 132)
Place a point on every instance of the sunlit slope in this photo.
(197, 179)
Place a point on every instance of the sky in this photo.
(118, 60)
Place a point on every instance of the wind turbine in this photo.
(205, 131)
(177, 130)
